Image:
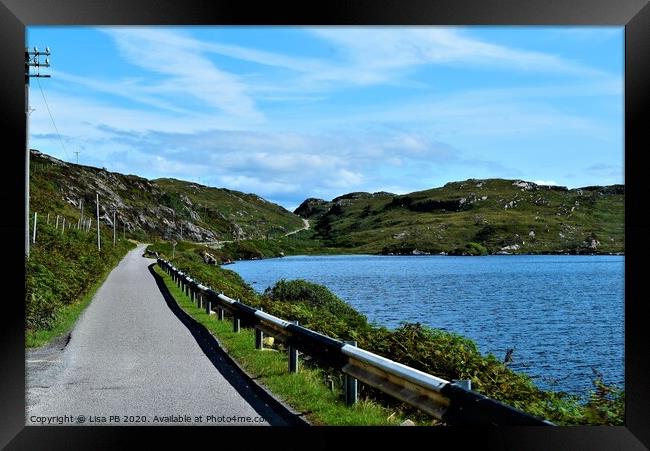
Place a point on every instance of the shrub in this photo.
(316, 297)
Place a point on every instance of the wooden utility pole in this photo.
(32, 59)
(99, 241)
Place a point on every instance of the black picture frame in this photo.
(15, 15)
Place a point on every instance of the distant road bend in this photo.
(219, 244)
(130, 357)
(304, 227)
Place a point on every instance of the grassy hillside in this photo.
(254, 216)
(164, 207)
(474, 217)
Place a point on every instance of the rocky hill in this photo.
(472, 217)
(164, 207)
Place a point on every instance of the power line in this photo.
(52, 118)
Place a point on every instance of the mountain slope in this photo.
(159, 207)
(474, 217)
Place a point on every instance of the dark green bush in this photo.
(317, 298)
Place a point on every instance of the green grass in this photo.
(305, 391)
(66, 319)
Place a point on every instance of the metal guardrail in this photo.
(446, 401)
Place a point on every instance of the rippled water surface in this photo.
(563, 315)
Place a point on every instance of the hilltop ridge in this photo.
(475, 216)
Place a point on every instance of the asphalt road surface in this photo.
(130, 360)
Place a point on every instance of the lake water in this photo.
(563, 315)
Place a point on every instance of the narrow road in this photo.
(304, 227)
(129, 355)
(219, 244)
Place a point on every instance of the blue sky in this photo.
(296, 112)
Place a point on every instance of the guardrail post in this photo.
(208, 306)
(259, 337)
(293, 357)
(219, 313)
(236, 324)
(351, 385)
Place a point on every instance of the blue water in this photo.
(563, 315)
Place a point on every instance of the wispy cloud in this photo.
(185, 70)
(373, 51)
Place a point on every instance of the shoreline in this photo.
(428, 254)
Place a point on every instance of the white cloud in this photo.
(373, 53)
(546, 182)
(258, 185)
(186, 70)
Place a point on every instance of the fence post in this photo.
(236, 324)
(220, 314)
(293, 357)
(208, 306)
(350, 385)
(259, 337)
(35, 220)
